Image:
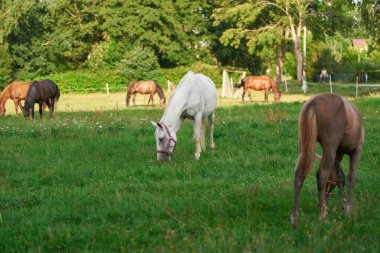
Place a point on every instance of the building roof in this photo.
(359, 43)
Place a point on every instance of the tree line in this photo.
(136, 38)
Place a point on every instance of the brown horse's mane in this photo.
(5, 94)
(131, 84)
(274, 86)
(159, 90)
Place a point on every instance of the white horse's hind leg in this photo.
(197, 135)
(211, 119)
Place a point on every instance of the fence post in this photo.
(357, 86)
(107, 88)
(286, 84)
(330, 85)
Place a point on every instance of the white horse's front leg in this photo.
(197, 135)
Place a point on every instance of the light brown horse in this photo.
(145, 87)
(337, 125)
(15, 91)
(264, 83)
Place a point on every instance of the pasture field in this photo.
(90, 182)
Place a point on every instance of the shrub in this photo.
(139, 64)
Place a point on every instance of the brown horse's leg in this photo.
(150, 98)
(266, 96)
(335, 177)
(127, 99)
(298, 182)
(341, 181)
(242, 95)
(354, 159)
(249, 95)
(16, 102)
(134, 99)
(32, 108)
(21, 107)
(40, 109)
(326, 165)
(50, 105)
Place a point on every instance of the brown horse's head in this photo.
(2, 110)
(163, 101)
(277, 96)
(27, 109)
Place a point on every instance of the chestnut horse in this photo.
(264, 83)
(15, 91)
(44, 91)
(145, 87)
(337, 125)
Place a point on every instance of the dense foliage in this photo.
(137, 39)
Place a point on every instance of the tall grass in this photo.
(90, 182)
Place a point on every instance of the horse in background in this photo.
(194, 98)
(337, 125)
(44, 91)
(15, 91)
(324, 75)
(258, 83)
(145, 87)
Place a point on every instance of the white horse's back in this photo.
(199, 93)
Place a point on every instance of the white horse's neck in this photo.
(176, 105)
(174, 110)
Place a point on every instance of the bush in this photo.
(88, 81)
(139, 64)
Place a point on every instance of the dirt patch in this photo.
(116, 101)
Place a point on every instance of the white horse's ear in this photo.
(156, 124)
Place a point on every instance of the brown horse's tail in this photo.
(307, 139)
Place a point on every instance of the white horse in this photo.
(194, 98)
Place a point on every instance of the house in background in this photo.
(360, 44)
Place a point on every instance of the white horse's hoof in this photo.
(197, 156)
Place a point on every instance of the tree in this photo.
(78, 26)
(254, 19)
(138, 64)
(10, 12)
(370, 10)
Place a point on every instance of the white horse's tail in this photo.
(203, 135)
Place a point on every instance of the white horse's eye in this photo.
(161, 139)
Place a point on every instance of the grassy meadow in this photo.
(89, 182)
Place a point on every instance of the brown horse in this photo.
(259, 83)
(15, 91)
(40, 92)
(337, 125)
(145, 87)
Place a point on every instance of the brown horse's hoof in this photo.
(323, 214)
(293, 219)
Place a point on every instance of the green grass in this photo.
(91, 182)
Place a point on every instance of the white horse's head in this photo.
(165, 140)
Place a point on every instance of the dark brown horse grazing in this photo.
(337, 125)
(259, 83)
(44, 91)
(15, 91)
(145, 87)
